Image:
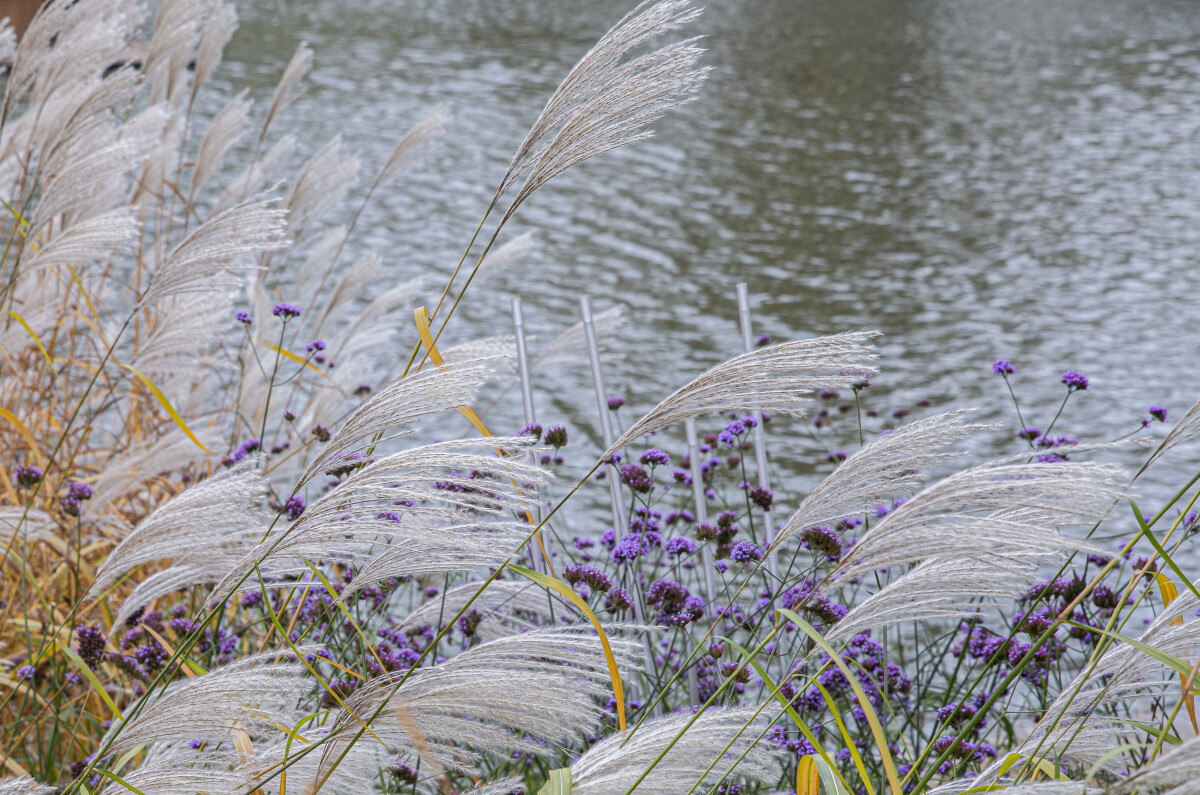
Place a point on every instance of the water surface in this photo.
(974, 179)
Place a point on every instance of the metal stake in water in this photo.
(614, 482)
(527, 405)
(760, 435)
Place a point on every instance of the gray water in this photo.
(974, 179)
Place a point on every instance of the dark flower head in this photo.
(362, 390)
(637, 478)
(762, 497)
(285, 311)
(745, 552)
(26, 476)
(322, 433)
(593, 577)
(615, 402)
(618, 599)
(288, 416)
(1029, 433)
(1002, 367)
(836, 456)
(77, 490)
(556, 436)
(314, 346)
(294, 507)
(244, 318)
(91, 642)
(1075, 381)
(1158, 413)
(761, 340)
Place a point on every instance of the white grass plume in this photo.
(24, 785)
(223, 505)
(547, 684)
(225, 130)
(35, 525)
(1176, 772)
(185, 334)
(411, 150)
(502, 349)
(499, 259)
(256, 692)
(193, 565)
(96, 239)
(505, 606)
(1187, 427)
(320, 184)
(444, 530)
(1002, 507)
(219, 244)
(400, 404)
(178, 770)
(570, 347)
(607, 767)
(603, 103)
(288, 88)
(220, 28)
(939, 589)
(259, 173)
(354, 776)
(123, 474)
(893, 464)
(775, 379)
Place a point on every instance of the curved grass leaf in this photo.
(561, 588)
(559, 783)
(166, 404)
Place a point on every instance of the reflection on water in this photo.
(974, 179)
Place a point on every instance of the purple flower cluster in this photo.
(1075, 381)
(285, 311)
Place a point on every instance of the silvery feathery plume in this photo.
(939, 589)
(321, 183)
(604, 103)
(357, 774)
(86, 171)
(1176, 772)
(68, 43)
(504, 608)
(225, 130)
(178, 27)
(960, 786)
(500, 258)
(546, 685)
(348, 288)
(614, 764)
(96, 239)
(503, 349)
(891, 465)
(224, 505)
(288, 88)
(407, 513)
(1187, 427)
(570, 347)
(320, 257)
(90, 109)
(257, 693)
(220, 28)
(126, 472)
(36, 524)
(1122, 674)
(24, 785)
(404, 294)
(183, 337)
(401, 404)
(1001, 507)
(216, 246)
(775, 379)
(191, 566)
(412, 149)
(260, 172)
(175, 770)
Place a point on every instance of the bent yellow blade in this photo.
(166, 404)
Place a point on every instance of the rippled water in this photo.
(974, 179)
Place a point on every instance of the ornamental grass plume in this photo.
(230, 567)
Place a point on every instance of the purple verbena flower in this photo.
(1003, 367)
(1158, 413)
(1075, 381)
(26, 476)
(285, 311)
(654, 457)
(244, 318)
(615, 402)
(314, 346)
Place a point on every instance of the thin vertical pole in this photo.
(760, 436)
(614, 475)
(527, 405)
(706, 558)
(614, 482)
